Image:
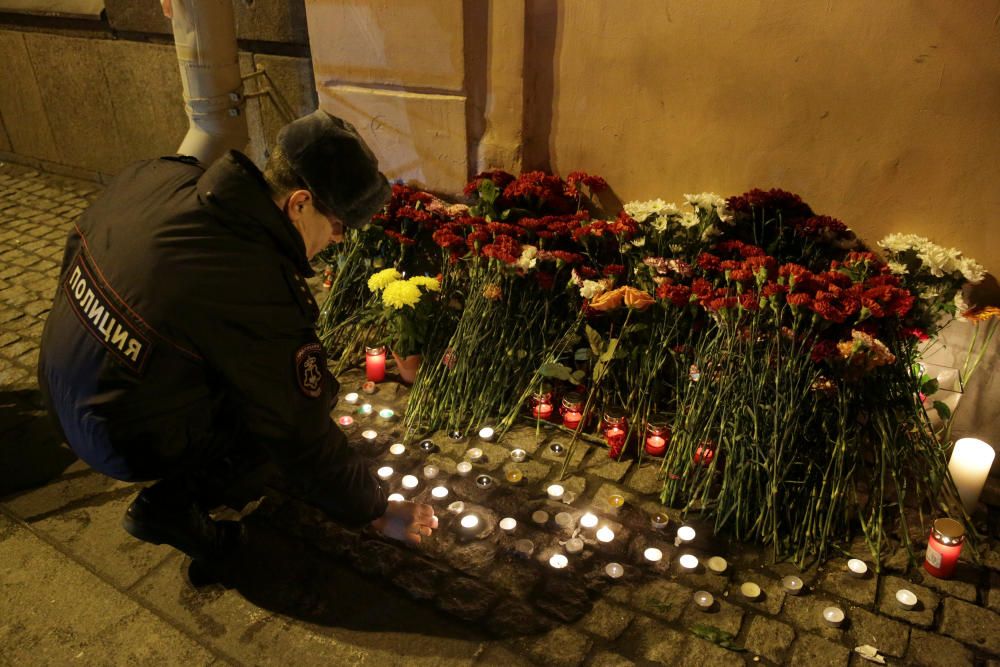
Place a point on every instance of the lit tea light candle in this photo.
(685, 535)
(484, 481)
(969, 466)
(857, 567)
(524, 548)
(386, 413)
(427, 446)
(906, 599)
(616, 500)
(750, 590)
(455, 435)
(474, 453)
(555, 491)
(396, 497)
(365, 409)
(659, 521)
(351, 398)
(470, 521)
(431, 471)
(463, 468)
(704, 600)
(943, 547)
(456, 507)
(792, 584)
(440, 492)
(574, 545)
(385, 472)
(368, 387)
(486, 433)
(605, 534)
(513, 475)
(346, 420)
(653, 555)
(375, 363)
(518, 455)
(564, 520)
(588, 520)
(410, 482)
(718, 564)
(557, 449)
(508, 524)
(541, 517)
(688, 563)
(833, 616)
(397, 449)
(369, 435)
(614, 570)
(558, 561)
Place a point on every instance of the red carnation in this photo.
(614, 270)
(708, 262)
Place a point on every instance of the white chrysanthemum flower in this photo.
(689, 219)
(641, 210)
(639, 241)
(591, 288)
(706, 201)
(898, 268)
(527, 259)
(939, 261)
(901, 242)
(972, 271)
(961, 306)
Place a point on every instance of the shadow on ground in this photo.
(31, 449)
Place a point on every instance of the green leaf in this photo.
(930, 387)
(943, 410)
(555, 370)
(601, 365)
(716, 636)
(595, 340)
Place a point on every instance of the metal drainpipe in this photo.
(205, 37)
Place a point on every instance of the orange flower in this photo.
(493, 292)
(608, 300)
(981, 313)
(636, 298)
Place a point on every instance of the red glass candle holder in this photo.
(943, 547)
(614, 426)
(705, 453)
(571, 410)
(541, 404)
(375, 363)
(657, 435)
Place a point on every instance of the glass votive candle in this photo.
(792, 584)
(541, 403)
(604, 534)
(431, 471)
(574, 545)
(833, 616)
(588, 520)
(508, 524)
(614, 570)
(943, 547)
(653, 555)
(685, 535)
(513, 475)
(351, 398)
(750, 590)
(906, 599)
(558, 561)
(857, 567)
(688, 563)
(571, 410)
(439, 492)
(345, 420)
(718, 564)
(540, 517)
(397, 449)
(518, 455)
(703, 600)
(375, 363)
(486, 433)
(555, 491)
(369, 435)
(616, 500)
(385, 472)
(463, 468)
(396, 497)
(410, 482)
(705, 453)
(657, 435)
(614, 427)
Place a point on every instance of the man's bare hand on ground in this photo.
(406, 521)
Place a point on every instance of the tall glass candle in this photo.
(943, 547)
(572, 410)
(541, 403)
(705, 453)
(657, 435)
(375, 363)
(614, 426)
(969, 466)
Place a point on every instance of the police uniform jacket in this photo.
(183, 319)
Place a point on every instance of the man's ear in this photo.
(297, 202)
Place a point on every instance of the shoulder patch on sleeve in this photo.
(309, 360)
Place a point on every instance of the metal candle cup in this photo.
(463, 468)
(588, 520)
(574, 545)
(397, 449)
(653, 555)
(508, 524)
(906, 599)
(385, 472)
(833, 616)
(718, 564)
(750, 590)
(555, 491)
(704, 600)
(659, 521)
(518, 455)
(605, 535)
(685, 535)
(486, 433)
(410, 482)
(558, 561)
(792, 584)
(688, 563)
(614, 570)
(857, 567)
(431, 471)
(469, 522)
(439, 492)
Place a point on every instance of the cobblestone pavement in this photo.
(73, 585)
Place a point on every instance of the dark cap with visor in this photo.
(336, 165)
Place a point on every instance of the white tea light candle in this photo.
(365, 409)
(588, 520)
(456, 507)
(474, 453)
(605, 535)
(857, 567)
(792, 584)
(704, 600)
(833, 616)
(440, 492)
(558, 561)
(524, 548)
(463, 468)
(410, 481)
(369, 435)
(385, 472)
(564, 520)
(351, 398)
(685, 534)
(541, 517)
(518, 455)
(653, 555)
(718, 564)
(508, 524)
(750, 590)
(969, 466)
(397, 449)
(688, 562)
(906, 599)
(470, 521)
(398, 497)
(574, 545)
(386, 413)
(431, 471)
(555, 491)
(614, 570)
(486, 433)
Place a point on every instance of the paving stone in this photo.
(564, 597)
(972, 625)
(843, 584)
(514, 618)
(600, 465)
(772, 594)
(665, 600)
(704, 653)
(930, 650)
(608, 659)
(646, 479)
(962, 586)
(993, 595)
(768, 638)
(561, 647)
(816, 652)
(927, 602)
(606, 620)
(721, 615)
(806, 613)
(888, 636)
(655, 641)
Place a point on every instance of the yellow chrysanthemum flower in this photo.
(401, 293)
(428, 283)
(378, 281)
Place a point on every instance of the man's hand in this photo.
(406, 521)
